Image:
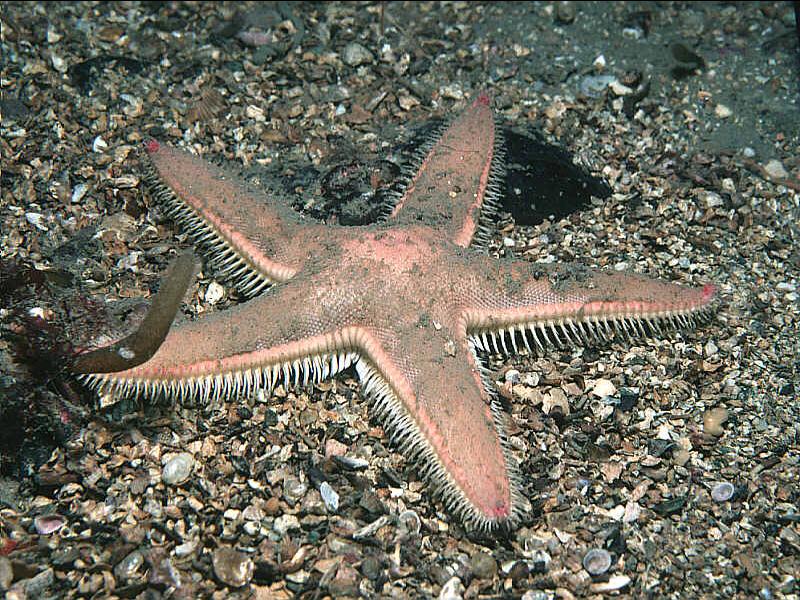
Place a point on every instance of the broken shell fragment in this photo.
(129, 566)
(722, 491)
(409, 524)
(617, 582)
(47, 524)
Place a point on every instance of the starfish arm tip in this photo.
(484, 98)
(151, 146)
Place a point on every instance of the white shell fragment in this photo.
(178, 469)
(617, 582)
(722, 491)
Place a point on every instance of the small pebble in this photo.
(232, 567)
(536, 595)
(79, 191)
(354, 54)
(597, 561)
(59, 64)
(555, 399)
(35, 586)
(728, 185)
(272, 506)
(483, 566)
(452, 590)
(632, 33)
(603, 388)
(251, 528)
(6, 573)
(293, 489)
(540, 561)
(632, 512)
(680, 456)
(452, 91)
(255, 112)
(620, 89)
(334, 447)
(407, 101)
(594, 85)
(722, 491)
(99, 145)
(370, 528)
(125, 182)
(775, 169)
(185, 549)
(712, 199)
(329, 496)
(599, 63)
(285, 523)
(36, 219)
(37, 312)
(178, 469)
(722, 111)
(565, 12)
(713, 420)
(214, 293)
(129, 566)
(252, 513)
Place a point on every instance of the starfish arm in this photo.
(456, 184)
(426, 388)
(253, 345)
(570, 305)
(138, 347)
(249, 239)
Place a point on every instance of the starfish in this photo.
(414, 303)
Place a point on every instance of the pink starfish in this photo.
(409, 302)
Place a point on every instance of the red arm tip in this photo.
(709, 291)
(483, 99)
(151, 146)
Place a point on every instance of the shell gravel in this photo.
(614, 445)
